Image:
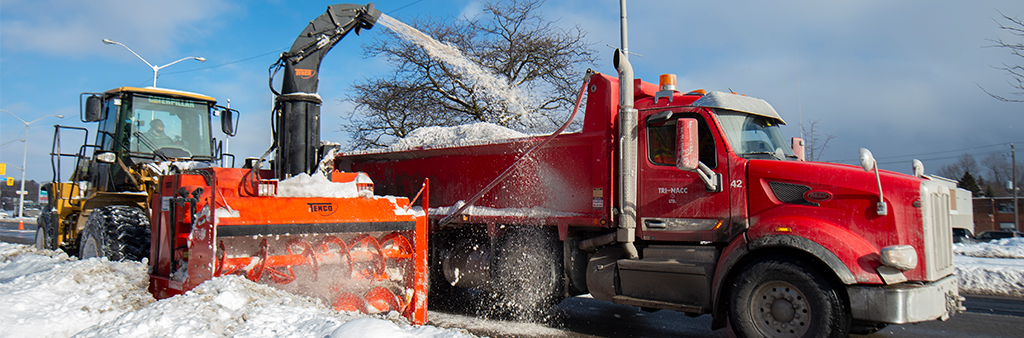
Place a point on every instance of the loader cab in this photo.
(143, 125)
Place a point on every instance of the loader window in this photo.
(661, 142)
(174, 127)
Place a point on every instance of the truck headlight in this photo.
(902, 257)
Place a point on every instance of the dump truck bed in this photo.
(567, 182)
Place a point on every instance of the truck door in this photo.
(674, 205)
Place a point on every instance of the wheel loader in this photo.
(152, 184)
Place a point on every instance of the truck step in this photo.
(682, 253)
(669, 266)
(626, 300)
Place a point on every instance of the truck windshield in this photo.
(172, 127)
(753, 136)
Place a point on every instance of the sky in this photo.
(901, 78)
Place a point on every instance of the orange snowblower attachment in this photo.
(328, 239)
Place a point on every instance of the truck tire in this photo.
(443, 295)
(117, 232)
(780, 297)
(527, 274)
(45, 235)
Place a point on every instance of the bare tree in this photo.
(510, 39)
(965, 164)
(999, 170)
(1015, 26)
(815, 142)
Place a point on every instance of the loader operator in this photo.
(156, 137)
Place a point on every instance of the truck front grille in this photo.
(937, 230)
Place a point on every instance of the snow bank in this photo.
(44, 293)
(992, 268)
(990, 276)
(1002, 248)
(464, 135)
(233, 306)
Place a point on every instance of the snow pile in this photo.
(990, 276)
(233, 306)
(464, 135)
(44, 293)
(47, 294)
(534, 212)
(304, 185)
(993, 268)
(1001, 248)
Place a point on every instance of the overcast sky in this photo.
(900, 78)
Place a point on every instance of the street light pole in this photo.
(156, 69)
(24, 161)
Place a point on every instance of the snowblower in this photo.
(301, 225)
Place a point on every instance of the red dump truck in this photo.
(691, 202)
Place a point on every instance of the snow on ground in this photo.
(1002, 248)
(992, 268)
(44, 293)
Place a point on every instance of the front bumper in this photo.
(906, 302)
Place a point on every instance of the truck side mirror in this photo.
(686, 144)
(228, 123)
(797, 144)
(93, 109)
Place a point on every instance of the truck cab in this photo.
(751, 202)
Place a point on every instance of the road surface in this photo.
(587, 317)
(9, 232)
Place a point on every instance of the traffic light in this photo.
(10, 181)
(3, 169)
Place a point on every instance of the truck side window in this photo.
(661, 142)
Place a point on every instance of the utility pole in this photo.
(1016, 214)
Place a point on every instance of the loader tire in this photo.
(527, 274)
(117, 232)
(781, 297)
(46, 236)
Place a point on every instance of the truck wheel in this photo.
(780, 297)
(117, 232)
(527, 273)
(45, 235)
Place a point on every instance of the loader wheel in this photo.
(527, 274)
(45, 235)
(780, 297)
(117, 232)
